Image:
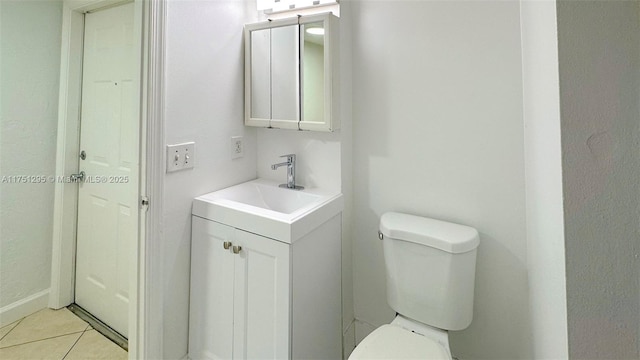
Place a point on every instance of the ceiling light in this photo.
(315, 31)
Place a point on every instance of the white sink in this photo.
(266, 196)
(260, 206)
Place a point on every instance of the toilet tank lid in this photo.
(446, 236)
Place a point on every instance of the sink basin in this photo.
(268, 197)
(260, 206)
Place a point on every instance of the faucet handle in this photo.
(290, 157)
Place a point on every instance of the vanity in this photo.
(266, 273)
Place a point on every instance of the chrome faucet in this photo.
(291, 172)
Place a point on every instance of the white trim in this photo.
(150, 318)
(544, 211)
(135, 310)
(145, 331)
(65, 203)
(25, 307)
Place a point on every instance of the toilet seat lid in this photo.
(394, 342)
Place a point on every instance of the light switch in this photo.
(180, 156)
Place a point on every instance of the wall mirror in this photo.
(290, 71)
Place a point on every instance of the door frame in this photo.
(145, 311)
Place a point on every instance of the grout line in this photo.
(49, 338)
(74, 344)
(16, 325)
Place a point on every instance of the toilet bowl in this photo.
(430, 267)
(404, 339)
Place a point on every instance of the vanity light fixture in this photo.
(315, 31)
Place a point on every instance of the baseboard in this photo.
(24, 307)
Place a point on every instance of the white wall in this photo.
(204, 103)
(599, 57)
(438, 132)
(543, 168)
(30, 47)
(318, 156)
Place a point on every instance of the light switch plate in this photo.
(237, 147)
(180, 156)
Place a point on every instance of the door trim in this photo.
(145, 312)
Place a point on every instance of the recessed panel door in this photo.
(211, 304)
(261, 298)
(109, 139)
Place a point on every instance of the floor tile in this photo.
(92, 345)
(54, 348)
(5, 329)
(46, 323)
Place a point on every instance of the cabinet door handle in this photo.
(227, 245)
(237, 249)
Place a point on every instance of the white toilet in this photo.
(431, 268)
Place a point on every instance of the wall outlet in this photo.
(237, 147)
(181, 156)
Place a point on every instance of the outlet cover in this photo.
(237, 147)
(181, 156)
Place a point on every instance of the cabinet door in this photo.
(261, 298)
(285, 77)
(320, 72)
(211, 304)
(272, 76)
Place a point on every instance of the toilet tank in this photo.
(431, 268)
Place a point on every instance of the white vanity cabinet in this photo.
(255, 297)
(239, 302)
(292, 73)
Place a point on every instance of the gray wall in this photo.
(30, 48)
(599, 58)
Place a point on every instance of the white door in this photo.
(108, 197)
(211, 304)
(261, 298)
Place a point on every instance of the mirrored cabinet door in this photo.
(272, 74)
(285, 77)
(260, 75)
(320, 76)
(291, 73)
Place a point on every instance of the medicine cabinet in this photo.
(291, 73)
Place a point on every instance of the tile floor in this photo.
(55, 334)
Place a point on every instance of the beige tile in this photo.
(44, 324)
(5, 329)
(92, 345)
(54, 348)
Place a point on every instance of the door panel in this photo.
(211, 306)
(261, 297)
(108, 199)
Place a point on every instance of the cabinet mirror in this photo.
(290, 73)
(312, 71)
(273, 58)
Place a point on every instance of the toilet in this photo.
(430, 266)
